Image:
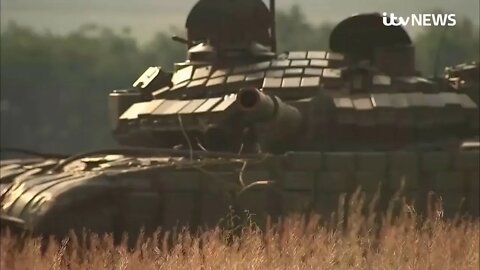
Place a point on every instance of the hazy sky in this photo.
(146, 17)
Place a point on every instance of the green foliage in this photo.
(162, 51)
(294, 32)
(54, 88)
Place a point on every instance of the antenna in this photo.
(274, 26)
(438, 52)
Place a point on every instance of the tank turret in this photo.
(366, 94)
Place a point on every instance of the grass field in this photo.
(364, 242)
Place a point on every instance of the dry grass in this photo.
(363, 243)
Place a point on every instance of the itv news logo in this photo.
(389, 19)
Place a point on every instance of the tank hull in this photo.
(131, 193)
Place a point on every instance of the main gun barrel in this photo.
(278, 120)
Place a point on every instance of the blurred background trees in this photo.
(54, 88)
(445, 46)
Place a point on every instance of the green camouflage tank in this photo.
(241, 126)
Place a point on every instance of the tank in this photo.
(241, 128)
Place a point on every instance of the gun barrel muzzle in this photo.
(279, 118)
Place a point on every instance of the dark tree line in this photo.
(54, 88)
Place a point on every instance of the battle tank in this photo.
(240, 126)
